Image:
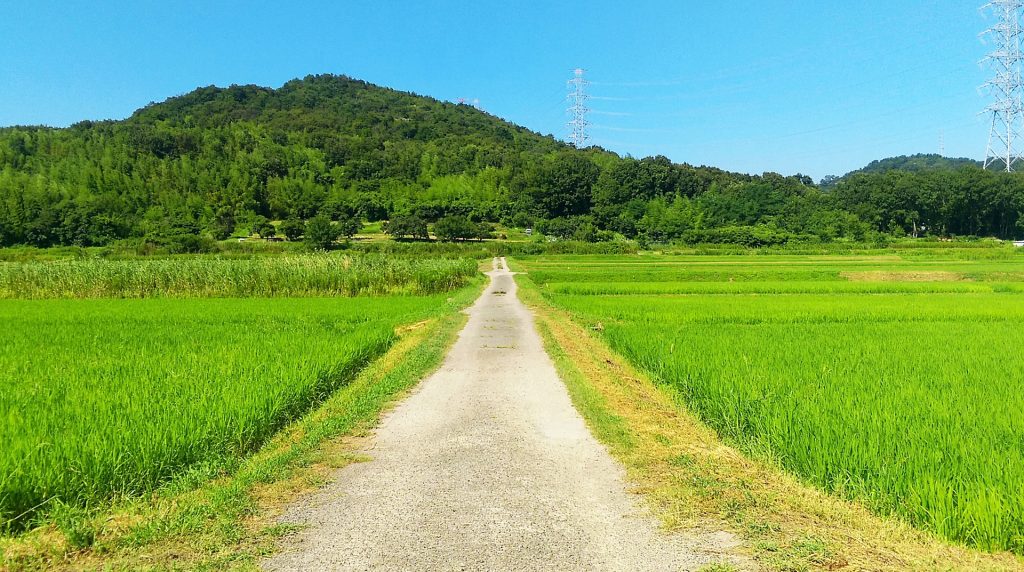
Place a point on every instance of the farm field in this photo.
(200, 277)
(103, 397)
(897, 381)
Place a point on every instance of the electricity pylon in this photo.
(1007, 86)
(578, 110)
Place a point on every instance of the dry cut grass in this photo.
(917, 276)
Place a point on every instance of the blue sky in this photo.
(796, 86)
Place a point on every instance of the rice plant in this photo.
(908, 396)
(116, 376)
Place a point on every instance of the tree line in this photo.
(222, 161)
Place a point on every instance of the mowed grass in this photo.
(103, 398)
(906, 395)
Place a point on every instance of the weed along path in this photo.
(487, 466)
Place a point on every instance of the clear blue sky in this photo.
(788, 86)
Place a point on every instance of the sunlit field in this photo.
(103, 398)
(899, 382)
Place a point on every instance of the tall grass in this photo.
(907, 396)
(103, 398)
(198, 277)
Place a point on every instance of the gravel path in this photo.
(487, 466)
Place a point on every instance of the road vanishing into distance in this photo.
(487, 466)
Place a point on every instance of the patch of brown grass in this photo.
(692, 480)
(919, 276)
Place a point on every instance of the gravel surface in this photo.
(487, 466)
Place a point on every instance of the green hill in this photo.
(216, 159)
(918, 163)
(196, 168)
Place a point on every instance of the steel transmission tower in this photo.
(1007, 86)
(578, 97)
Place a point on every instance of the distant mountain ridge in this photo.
(220, 162)
(917, 163)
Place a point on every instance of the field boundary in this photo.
(692, 480)
(230, 522)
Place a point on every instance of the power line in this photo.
(1007, 87)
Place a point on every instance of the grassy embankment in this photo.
(130, 426)
(849, 373)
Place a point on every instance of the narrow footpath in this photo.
(487, 466)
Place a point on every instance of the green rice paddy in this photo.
(897, 382)
(104, 398)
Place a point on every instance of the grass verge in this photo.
(694, 481)
(211, 519)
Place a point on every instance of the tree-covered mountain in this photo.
(216, 158)
(220, 159)
(918, 163)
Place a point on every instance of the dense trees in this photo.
(212, 161)
(215, 162)
(293, 228)
(459, 227)
(407, 226)
(321, 233)
(964, 202)
(918, 163)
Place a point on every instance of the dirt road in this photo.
(487, 466)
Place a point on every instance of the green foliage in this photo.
(564, 184)
(965, 202)
(223, 224)
(262, 227)
(577, 228)
(522, 220)
(321, 233)
(293, 229)
(349, 227)
(902, 394)
(105, 398)
(749, 236)
(918, 163)
(407, 226)
(457, 227)
(199, 164)
(73, 520)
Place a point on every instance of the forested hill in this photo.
(212, 161)
(918, 163)
(219, 161)
(215, 158)
(343, 116)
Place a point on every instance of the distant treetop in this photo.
(918, 163)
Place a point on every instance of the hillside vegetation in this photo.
(918, 163)
(199, 167)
